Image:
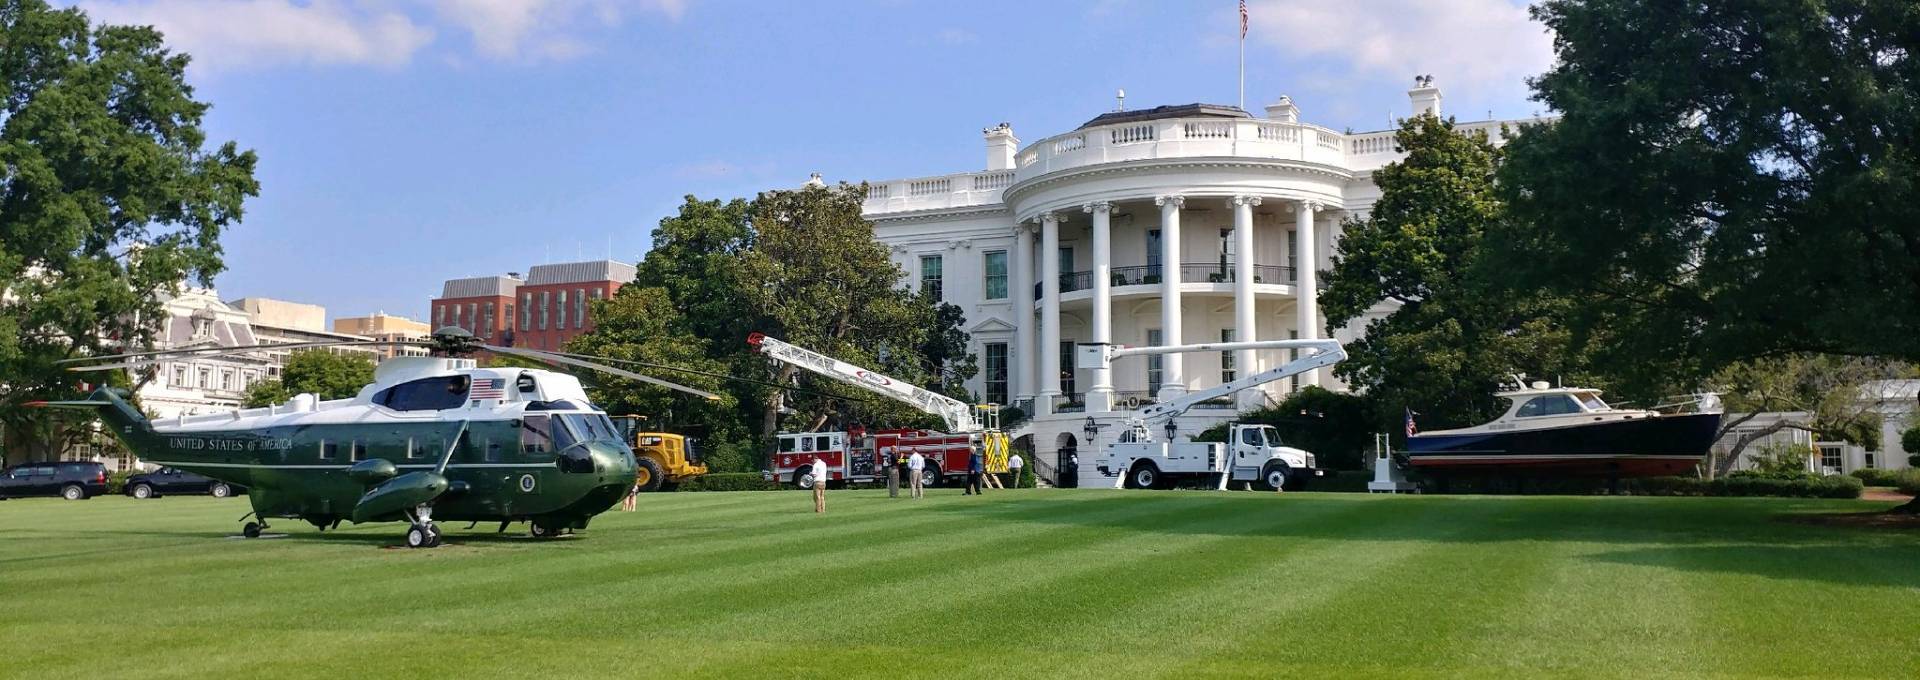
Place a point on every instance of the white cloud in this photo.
(542, 29)
(1490, 45)
(958, 36)
(255, 33)
(249, 34)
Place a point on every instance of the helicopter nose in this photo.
(613, 461)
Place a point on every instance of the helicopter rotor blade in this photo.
(603, 368)
(240, 349)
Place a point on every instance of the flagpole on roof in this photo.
(1243, 55)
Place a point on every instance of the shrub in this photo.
(1910, 482)
(729, 481)
(1836, 486)
(1910, 442)
(117, 481)
(1877, 477)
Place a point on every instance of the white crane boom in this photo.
(1323, 353)
(957, 414)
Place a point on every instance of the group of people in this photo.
(916, 465)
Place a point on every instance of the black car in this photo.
(168, 480)
(71, 480)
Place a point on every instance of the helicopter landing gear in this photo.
(544, 531)
(251, 530)
(422, 532)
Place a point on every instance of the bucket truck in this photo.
(1252, 453)
(854, 456)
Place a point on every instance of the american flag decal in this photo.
(488, 388)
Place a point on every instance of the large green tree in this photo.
(319, 372)
(817, 278)
(1439, 339)
(643, 324)
(109, 198)
(1726, 180)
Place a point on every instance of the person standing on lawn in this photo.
(893, 472)
(916, 463)
(1013, 465)
(820, 477)
(976, 467)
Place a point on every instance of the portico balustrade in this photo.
(1149, 275)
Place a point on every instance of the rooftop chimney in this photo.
(513, 275)
(1283, 111)
(1425, 97)
(1001, 145)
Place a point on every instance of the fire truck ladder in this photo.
(959, 416)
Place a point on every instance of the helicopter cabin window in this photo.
(1550, 405)
(536, 434)
(358, 451)
(329, 450)
(426, 394)
(493, 451)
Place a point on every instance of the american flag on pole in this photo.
(488, 388)
(1411, 430)
(1243, 19)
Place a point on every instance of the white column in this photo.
(1173, 379)
(1243, 318)
(1306, 281)
(1100, 395)
(1049, 313)
(1020, 284)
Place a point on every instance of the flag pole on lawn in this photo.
(1243, 55)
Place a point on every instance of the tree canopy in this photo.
(109, 197)
(1726, 180)
(1439, 339)
(318, 372)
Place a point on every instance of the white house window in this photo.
(1155, 367)
(1067, 386)
(996, 372)
(560, 313)
(546, 307)
(1830, 457)
(579, 308)
(180, 376)
(206, 378)
(997, 275)
(931, 270)
(1153, 252)
(1227, 372)
(1293, 257)
(526, 312)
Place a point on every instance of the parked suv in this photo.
(168, 480)
(71, 480)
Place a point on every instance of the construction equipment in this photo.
(665, 459)
(980, 424)
(1253, 453)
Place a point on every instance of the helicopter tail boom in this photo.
(128, 423)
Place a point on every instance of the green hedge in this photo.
(1342, 481)
(729, 481)
(1836, 486)
(117, 481)
(1910, 483)
(1884, 477)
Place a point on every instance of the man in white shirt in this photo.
(916, 463)
(820, 476)
(1013, 465)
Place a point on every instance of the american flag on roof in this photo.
(1411, 430)
(1243, 19)
(488, 388)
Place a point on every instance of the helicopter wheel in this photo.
(251, 530)
(423, 536)
(543, 531)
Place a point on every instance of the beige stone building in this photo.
(384, 326)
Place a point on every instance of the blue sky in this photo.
(404, 142)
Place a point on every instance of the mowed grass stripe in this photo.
(1040, 583)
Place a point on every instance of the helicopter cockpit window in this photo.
(536, 434)
(425, 394)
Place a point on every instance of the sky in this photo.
(406, 142)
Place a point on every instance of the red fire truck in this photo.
(855, 456)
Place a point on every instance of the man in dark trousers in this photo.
(893, 472)
(976, 466)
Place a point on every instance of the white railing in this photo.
(1029, 157)
(879, 192)
(1375, 143)
(1277, 132)
(1069, 144)
(1208, 129)
(992, 180)
(1131, 134)
(929, 187)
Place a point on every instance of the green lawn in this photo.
(1042, 583)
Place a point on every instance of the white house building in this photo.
(1171, 225)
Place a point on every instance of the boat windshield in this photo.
(1591, 401)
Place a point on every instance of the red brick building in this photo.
(483, 305)
(555, 303)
